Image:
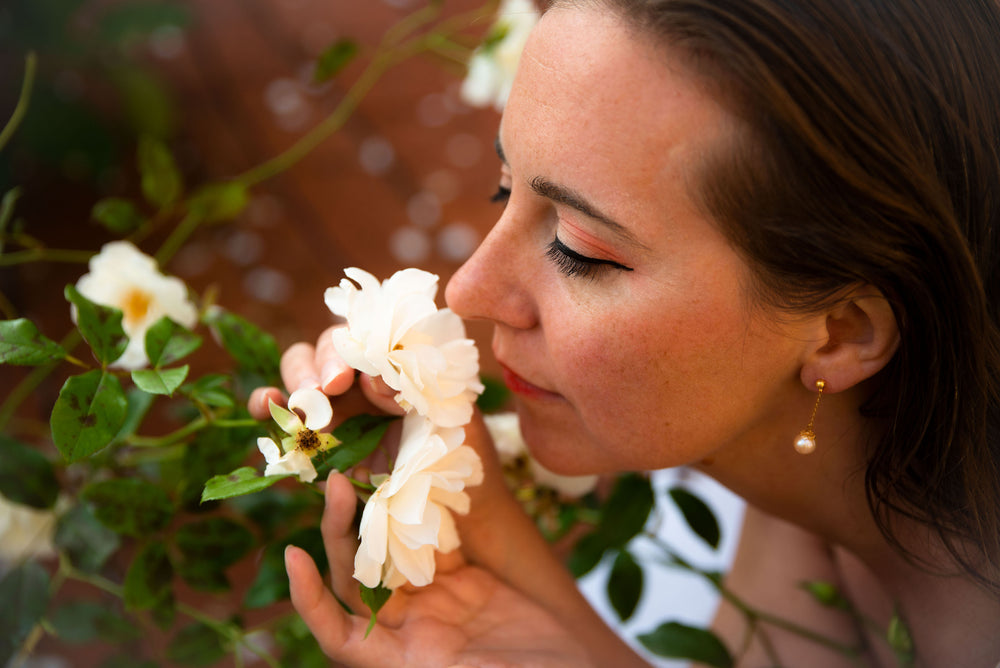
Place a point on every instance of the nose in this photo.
(494, 284)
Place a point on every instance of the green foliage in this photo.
(21, 343)
(826, 594)
(333, 59)
(698, 515)
(359, 435)
(167, 342)
(160, 381)
(86, 542)
(253, 349)
(208, 547)
(679, 641)
(196, 645)
(81, 621)
(24, 595)
(622, 517)
(625, 585)
(900, 639)
(101, 326)
(149, 580)
(26, 475)
(271, 583)
(118, 216)
(161, 179)
(494, 397)
(243, 480)
(129, 506)
(89, 413)
(219, 201)
(374, 598)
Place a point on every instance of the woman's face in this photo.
(620, 311)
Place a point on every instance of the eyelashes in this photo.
(572, 264)
(501, 195)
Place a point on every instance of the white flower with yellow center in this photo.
(407, 518)
(124, 277)
(493, 64)
(304, 439)
(505, 428)
(395, 330)
(25, 532)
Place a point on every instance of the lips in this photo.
(519, 385)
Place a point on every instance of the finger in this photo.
(336, 376)
(380, 394)
(339, 539)
(298, 367)
(259, 402)
(328, 621)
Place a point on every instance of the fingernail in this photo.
(331, 370)
(310, 383)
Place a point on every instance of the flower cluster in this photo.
(493, 63)
(395, 330)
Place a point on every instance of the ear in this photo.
(857, 338)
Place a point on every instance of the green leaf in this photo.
(219, 201)
(126, 22)
(698, 515)
(251, 347)
(129, 506)
(161, 180)
(160, 381)
(359, 436)
(196, 645)
(625, 585)
(86, 542)
(88, 414)
(678, 641)
(26, 475)
(211, 390)
(494, 397)
(334, 59)
(149, 580)
(374, 599)
(146, 100)
(166, 342)
(586, 554)
(22, 344)
(625, 512)
(83, 621)
(216, 540)
(901, 640)
(271, 584)
(118, 216)
(298, 645)
(213, 449)
(24, 595)
(826, 594)
(139, 403)
(243, 480)
(100, 325)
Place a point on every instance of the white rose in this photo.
(124, 277)
(395, 330)
(492, 66)
(25, 532)
(304, 439)
(407, 518)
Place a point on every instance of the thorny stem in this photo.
(21, 108)
(753, 615)
(192, 427)
(70, 256)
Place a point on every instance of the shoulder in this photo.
(772, 562)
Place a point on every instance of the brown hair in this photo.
(871, 156)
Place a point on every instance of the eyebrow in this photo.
(563, 195)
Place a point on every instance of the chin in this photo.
(562, 450)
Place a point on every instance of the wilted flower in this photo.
(25, 531)
(505, 429)
(395, 330)
(407, 519)
(304, 439)
(493, 64)
(124, 277)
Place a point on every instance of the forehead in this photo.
(595, 97)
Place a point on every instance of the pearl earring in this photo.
(806, 440)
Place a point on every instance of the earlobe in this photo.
(859, 337)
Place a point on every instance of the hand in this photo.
(466, 617)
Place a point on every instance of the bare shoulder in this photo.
(774, 558)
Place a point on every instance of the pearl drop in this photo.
(805, 444)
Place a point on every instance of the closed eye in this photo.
(571, 263)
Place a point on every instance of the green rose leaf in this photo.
(129, 506)
(160, 381)
(22, 344)
(118, 216)
(678, 641)
(374, 599)
(900, 640)
(494, 397)
(698, 515)
(334, 59)
(586, 554)
(24, 595)
(251, 347)
(88, 414)
(625, 585)
(211, 390)
(148, 582)
(86, 542)
(166, 342)
(625, 513)
(26, 475)
(139, 403)
(826, 594)
(217, 540)
(271, 584)
(219, 201)
(84, 621)
(359, 436)
(161, 180)
(100, 325)
(196, 645)
(243, 480)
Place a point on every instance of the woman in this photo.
(717, 211)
